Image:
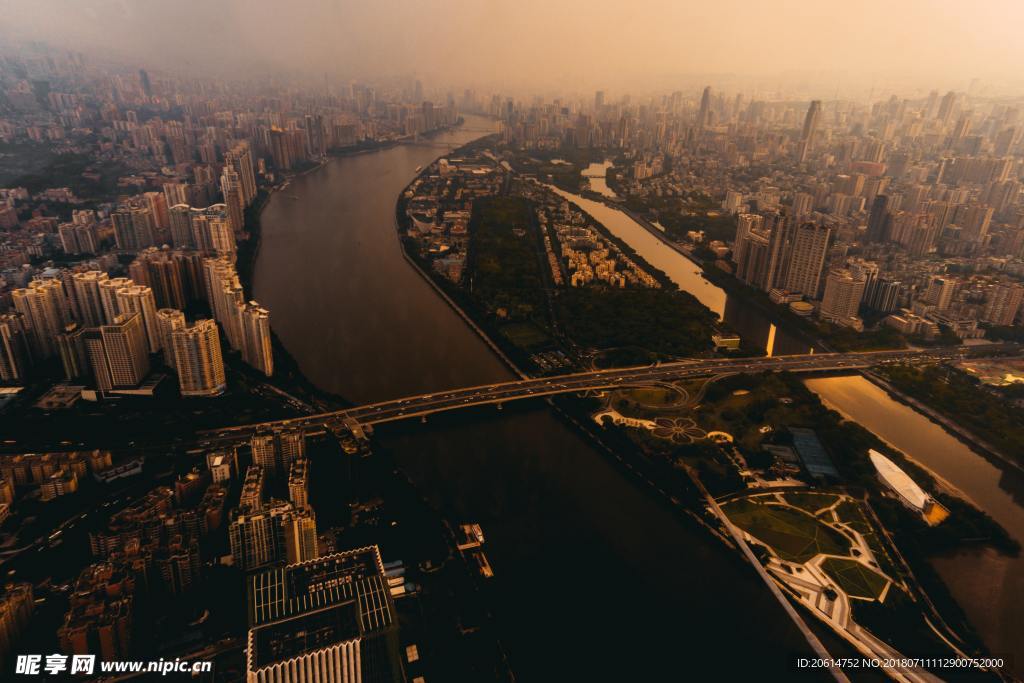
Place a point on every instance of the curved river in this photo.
(595, 579)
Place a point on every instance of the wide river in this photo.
(987, 585)
(596, 580)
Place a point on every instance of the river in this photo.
(595, 578)
(746, 319)
(987, 585)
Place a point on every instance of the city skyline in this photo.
(457, 341)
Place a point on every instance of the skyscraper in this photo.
(257, 349)
(843, 293)
(197, 359)
(107, 288)
(15, 356)
(87, 297)
(169, 320)
(118, 353)
(810, 127)
(807, 258)
(134, 298)
(45, 312)
(877, 220)
(239, 158)
(704, 114)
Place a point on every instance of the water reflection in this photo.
(989, 586)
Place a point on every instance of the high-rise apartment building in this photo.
(88, 302)
(133, 298)
(841, 301)
(277, 533)
(45, 313)
(806, 258)
(257, 349)
(169, 320)
(197, 358)
(15, 354)
(118, 353)
(275, 451)
(1003, 303)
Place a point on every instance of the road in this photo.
(596, 380)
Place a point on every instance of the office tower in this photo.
(15, 356)
(107, 288)
(599, 100)
(878, 220)
(239, 159)
(253, 488)
(277, 533)
(197, 359)
(940, 292)
(843, 293)
(345, 600)
(169, 320)
(45, 313)
(147, 87)
(231, 188)
(806, 259)
(276, 451)
(73, 355)
(118, 353)
(946, 107)
(704, 114)
(884, 294)
(257, 349)
(920, 236)
(86, 286)
(133, 228)
(16, 604)
(810, 128)
(1003, 303)
(298, 483)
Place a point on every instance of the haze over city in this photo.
(409, 342)
(818, 49)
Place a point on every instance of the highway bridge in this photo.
(596, 380)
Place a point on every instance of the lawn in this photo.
(855, 579)
(811, 502)
(793, 534)
(525, 335)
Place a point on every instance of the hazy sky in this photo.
(548, 44)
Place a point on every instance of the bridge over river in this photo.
(596, 380)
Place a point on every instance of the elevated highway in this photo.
(595, 380)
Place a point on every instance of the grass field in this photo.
(794, 535)
(811, 502)
(525, 335)
(854, 578)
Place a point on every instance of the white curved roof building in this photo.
(909, 492)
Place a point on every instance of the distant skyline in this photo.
(812, 48)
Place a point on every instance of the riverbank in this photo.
(964, 435)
